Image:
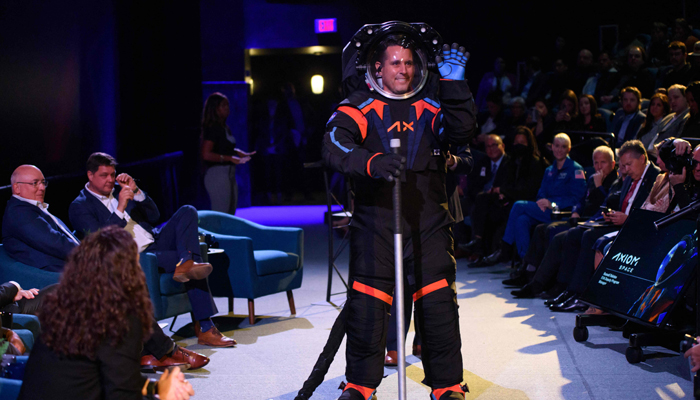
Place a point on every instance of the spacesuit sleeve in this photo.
(458, 112)
(342, 149)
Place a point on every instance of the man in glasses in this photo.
(30, 233)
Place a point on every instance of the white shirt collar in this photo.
(99, 196)
(43, 206)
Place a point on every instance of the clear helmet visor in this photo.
(396, 72)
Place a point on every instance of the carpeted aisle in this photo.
(513, 349)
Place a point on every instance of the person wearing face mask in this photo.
(563, 186)
(523, 174)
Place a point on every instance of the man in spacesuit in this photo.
(400, 100)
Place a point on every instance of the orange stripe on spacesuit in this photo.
(377, 106)
(376, 293)
(439, 392)
(365, 391)
(422, 105)
(429, 289)
(368, 161)
(356, 116)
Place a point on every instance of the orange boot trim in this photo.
(437, 393)
(364, 391)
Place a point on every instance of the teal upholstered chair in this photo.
(27, 276)
(9, 388)
(169, 298)
(257, 260)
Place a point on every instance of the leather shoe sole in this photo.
(213, 338)
(150, 363)
(191, 270)
(195, 360)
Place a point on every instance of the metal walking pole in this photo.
(398, 290)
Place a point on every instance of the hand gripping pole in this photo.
(399, 289)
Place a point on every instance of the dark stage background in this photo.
(126, 77)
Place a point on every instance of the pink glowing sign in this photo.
(325, 25)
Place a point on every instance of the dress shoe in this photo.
(14, 339)
(520, 280)
(191, 270)
(571, 305)
(391, 358)
(479, 263)
(499, 256)
(150, 363)
(561, 298)
(529, 291)
(472, 247)
(212, 337)
(195, 360)
(417, 350)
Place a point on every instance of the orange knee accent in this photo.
(429, 289)
(372, 292)
(365, 391)
(439, 392)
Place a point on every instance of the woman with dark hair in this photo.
(93, 326)
(692, 125)
(567, 118)
(590, 118)
(220, 155)
(659, 107)
(525, 168)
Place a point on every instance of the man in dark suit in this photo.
(33, 236)
(14, 299)
(30, 233)
(629, 119)
(175, 244)
(576, 266)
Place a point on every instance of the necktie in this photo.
(625, 202)
(489, 184)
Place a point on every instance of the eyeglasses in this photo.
(37, 183)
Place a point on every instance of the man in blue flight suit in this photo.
(402, 103)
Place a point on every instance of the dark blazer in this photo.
(8, 291)
(646, 184)
(33, 238)
(464, 166)
(476, 182)
(88, 214)
(632, 129)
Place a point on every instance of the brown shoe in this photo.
(195, 360)
(149, 362)
(212, 337)
(14, 339)
(191, 270)
(417, 350)
(390, 359)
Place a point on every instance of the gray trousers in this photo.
(220, 182)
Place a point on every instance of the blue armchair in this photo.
(26, 275)
(257, 260)
(169, 298)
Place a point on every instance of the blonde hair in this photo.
(564, 138)
(605, 150)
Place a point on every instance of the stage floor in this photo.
(512, 349)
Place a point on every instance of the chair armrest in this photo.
(149, 265)
(238, 253)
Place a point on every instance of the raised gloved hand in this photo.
(453, 61)
(386, 166)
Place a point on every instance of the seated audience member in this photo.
(487, 172)
(672, 125)
(590, 118)
(14, 299)
(683, 33)
(493, 120)
(680, 71)
(584, 70)
(560, 78)
(567, 118)
(629, 119)
(686, 185)
(536, 85)
(517, 118)
(563, 186)
(658, 110)
(33, 236)
(657, 49)
(497, 81)
(524, 170)
(578, 255)
(602, 85)
(541, 122)
(91, 338)
(635, 73)
(175, 244)
(459, 163)
(692, 124)
(599, 185)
